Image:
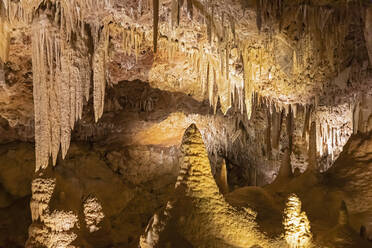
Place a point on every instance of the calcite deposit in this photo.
(185, 123)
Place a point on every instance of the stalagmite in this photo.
(296, 224)
(223, 179)
(285, 170)
(49, 228)
(93, 213)
(196, 182)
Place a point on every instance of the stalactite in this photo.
(101, 39)
(259, 14)
(307, 112)
(356, 113)
(209, 30)
(190, 9)
(4, 41)
(268, 135)
(294, 109)
(248, 81)
(174, 14)
(155, 24)
(133, 39)
(313, 165)
(180, 5)
(276, 128)
(61, 74)
(290, 129)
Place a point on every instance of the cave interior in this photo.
(185, 123)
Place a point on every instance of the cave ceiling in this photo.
(228, 52)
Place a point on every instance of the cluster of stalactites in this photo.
(133, 40)
(327, 132)
(62, 76)
(325, 27)
(19, 11)
(225, 85)
(362, 114)
(61, 79)
(213, 71)
(275, 116)
(322, 135)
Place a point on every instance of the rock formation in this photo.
(296, 224)
(96, 95)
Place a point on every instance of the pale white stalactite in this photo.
(4, 41)
(248, 81)
(63, 80)
(42, 90)
(61, 74)
(101, 39)
(294, 109)
(61, 84)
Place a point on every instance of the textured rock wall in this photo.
(103, 205)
